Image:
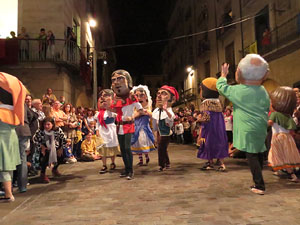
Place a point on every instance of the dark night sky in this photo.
(136, 21)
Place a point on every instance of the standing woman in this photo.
(12, 98)
(71, 124)
(50, 142)
(50, 40)
(88, 119)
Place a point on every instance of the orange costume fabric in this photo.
(15, 87)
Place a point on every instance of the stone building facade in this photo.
(213, 31)
(67, 68)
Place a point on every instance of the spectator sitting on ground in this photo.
(49, 97)
(88, 147)
(69, 157)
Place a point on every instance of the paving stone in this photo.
(182, 195)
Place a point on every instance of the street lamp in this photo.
(92, 23)
(189, 69)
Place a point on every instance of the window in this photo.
(230, 59)
(207, 69)
(261, 24)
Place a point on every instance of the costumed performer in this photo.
(251, 105)
(213, 137)
(124, 105)
(163, 119)
(283, 153)
(142, 141)
(12, 99)
(106, 129)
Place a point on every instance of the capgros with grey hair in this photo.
(253, 67)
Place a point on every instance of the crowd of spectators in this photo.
(54, 132)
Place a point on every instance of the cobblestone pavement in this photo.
(182, 195)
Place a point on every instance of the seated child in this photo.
(88, 148)
(69, 157)
(93, 127)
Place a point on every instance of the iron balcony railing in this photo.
(40, 50)
(64, 52)
(282, 35)
(13, 51)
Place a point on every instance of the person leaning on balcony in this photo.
(49, 97)
(23, 44)
(266, 39)
(42, 37)
(59, 116)
(50, 40)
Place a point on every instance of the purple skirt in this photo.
(213, 132)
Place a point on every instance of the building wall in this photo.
(57, 15)
(37, 77)
(284, 68)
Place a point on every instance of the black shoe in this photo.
(130, 176)
(207, 166)
(140, 163)
(103, 170)
(123, 174)
(147, 161)
(112, 166)
(160, 169)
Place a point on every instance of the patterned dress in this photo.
(212, 131)
(143, 139)
(283, 153)
(39, 139)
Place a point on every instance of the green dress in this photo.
(250, 114)
(9, 147)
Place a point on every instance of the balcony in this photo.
(63, 53)
(225, 25)
(33, 50)
(186, 96)
(283, 39)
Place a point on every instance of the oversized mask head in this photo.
(105, 99)
(284, 100)
(121, 83)
(166, 96)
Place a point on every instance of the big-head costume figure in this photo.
(106, 129)
(163, 118)
(124, 105)
(213, 142)
(251, 105)
(284, 153)
(12, 98)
